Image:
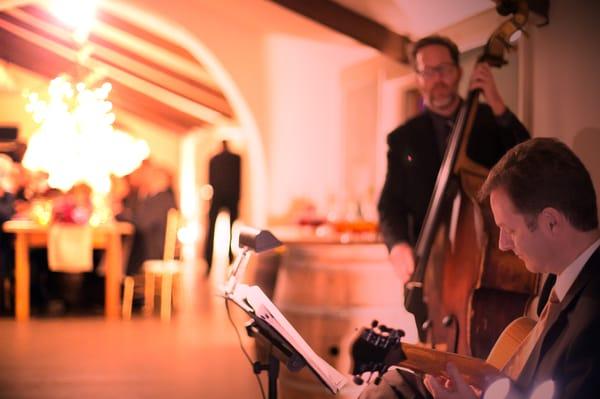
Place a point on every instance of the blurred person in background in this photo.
(224, 175)
(146, 207)
(8, 187)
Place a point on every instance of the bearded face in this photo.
(438, 77)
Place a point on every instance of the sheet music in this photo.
(251, 298)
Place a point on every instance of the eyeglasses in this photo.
(444, 70)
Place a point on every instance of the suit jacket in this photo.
(414, 161)
(570, 351)
(224, 177)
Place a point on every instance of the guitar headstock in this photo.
(375, 350)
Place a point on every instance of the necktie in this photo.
(522, 365)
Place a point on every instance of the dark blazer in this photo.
(224, 176)
(414, 161)
(570, 352)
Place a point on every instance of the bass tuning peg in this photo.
(358, 380)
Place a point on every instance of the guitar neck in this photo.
(477, 372)
(420, 359)
(383, 348)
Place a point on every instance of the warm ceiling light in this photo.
(77, 14)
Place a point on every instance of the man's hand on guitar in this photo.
(453, 387)
(403, 261)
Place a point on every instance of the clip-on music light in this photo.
(250, 240)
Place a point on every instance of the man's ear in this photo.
(551, 220)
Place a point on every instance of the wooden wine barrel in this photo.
(264, 268)
(328, 291)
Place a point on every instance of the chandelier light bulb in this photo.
(76, 141)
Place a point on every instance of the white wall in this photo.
(565, 76)
(306, 131)
(287, 68)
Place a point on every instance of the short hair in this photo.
(543, 172)
(435, 40)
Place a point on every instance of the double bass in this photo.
(464, 290)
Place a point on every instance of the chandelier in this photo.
(76, 142)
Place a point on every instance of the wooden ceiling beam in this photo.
(137, 41)
(135, 67)
(350, 23)
(156, 54)
(124, 118)
(149, 89)
(44, 63)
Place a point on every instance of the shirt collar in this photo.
(565, 280)
(440, 117)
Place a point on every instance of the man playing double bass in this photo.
(416, 148)
(543, 201)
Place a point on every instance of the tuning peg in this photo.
(426, 325)
(397, 334)
(358, 380)
(448, 320)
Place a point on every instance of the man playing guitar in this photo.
(544, 203)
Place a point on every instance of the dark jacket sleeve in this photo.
(413, 163)
(494, 135)
(393, 215)
(512, 130)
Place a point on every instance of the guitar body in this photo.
(509, 341)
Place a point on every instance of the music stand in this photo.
(285, 344)
(280, 351)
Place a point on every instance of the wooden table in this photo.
(29, 234)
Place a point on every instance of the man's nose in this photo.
(436, 76)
